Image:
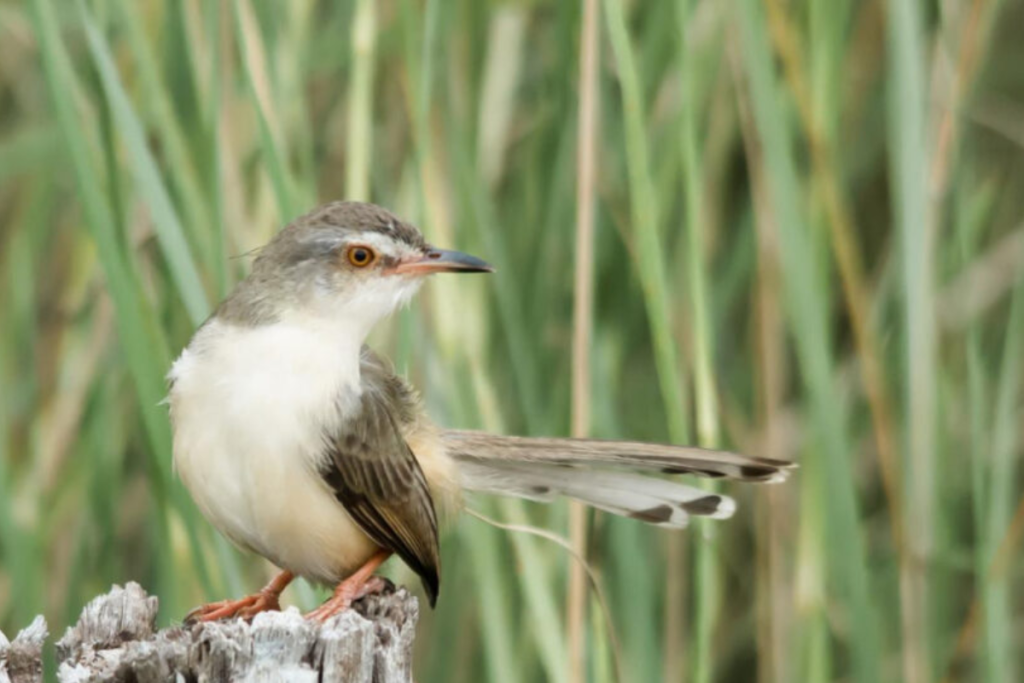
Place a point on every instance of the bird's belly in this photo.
(283, 513)
(247, 445)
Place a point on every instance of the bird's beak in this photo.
(442, 261)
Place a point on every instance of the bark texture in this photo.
(116, 639)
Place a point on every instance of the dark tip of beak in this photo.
(444, 261)
(458, 261)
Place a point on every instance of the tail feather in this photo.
(647, 499)
(590, 470)
(625, 454)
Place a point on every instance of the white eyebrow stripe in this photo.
(382, 243)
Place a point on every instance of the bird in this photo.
(301, 444)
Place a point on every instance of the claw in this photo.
(243, 608)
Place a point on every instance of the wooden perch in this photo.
(115, 639)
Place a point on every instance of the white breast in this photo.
(249, 407)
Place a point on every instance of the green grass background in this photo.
(808, 244)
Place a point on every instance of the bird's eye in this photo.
(360, 257)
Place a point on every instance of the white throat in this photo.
(354, 313)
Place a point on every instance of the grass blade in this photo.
(804, 290)
(360, 96)
(147, 177)
(907, 132)
(587, 131)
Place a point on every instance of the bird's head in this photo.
(347, 261)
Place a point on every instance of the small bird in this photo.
(301, 444)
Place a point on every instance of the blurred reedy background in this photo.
(808, 244)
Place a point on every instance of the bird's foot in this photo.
(361, 583)
(345, 594)
(242, 608)
(267, 600)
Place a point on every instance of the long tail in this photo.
(597, 473)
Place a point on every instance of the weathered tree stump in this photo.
(22, 660)
(116, 639)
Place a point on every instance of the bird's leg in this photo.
(247, 607)
(361, 583)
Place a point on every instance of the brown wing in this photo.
(375, 475)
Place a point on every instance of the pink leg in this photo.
(361, 583)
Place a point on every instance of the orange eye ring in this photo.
(360, 256)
